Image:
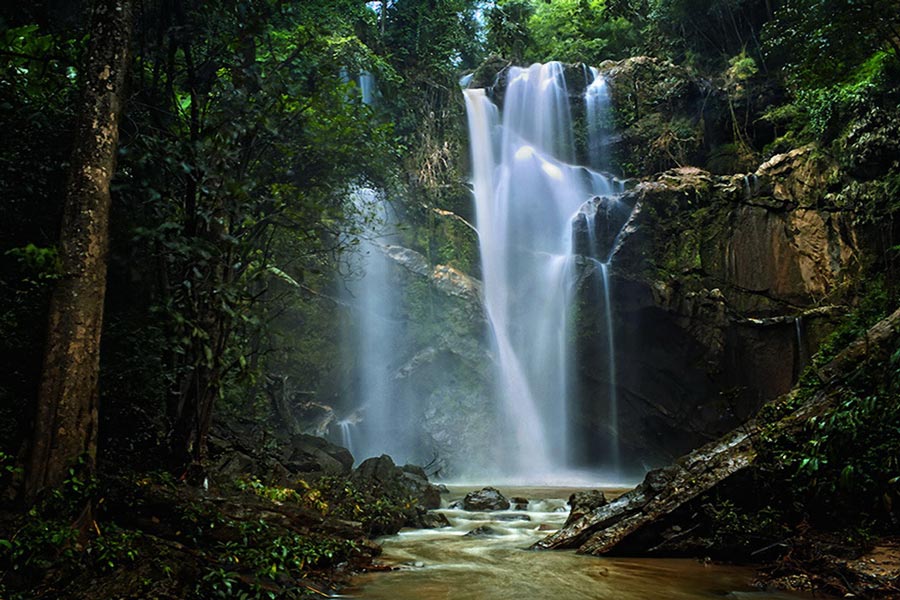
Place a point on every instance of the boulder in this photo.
(435, 520)
(581, 503)
(512, 517)
(519, 503)
(485, 499)
(311, 454)
(408, 481)
(416, 482)
(483, 531)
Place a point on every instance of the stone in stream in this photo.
(483, 531)
(519, 503)
(485, 499)
(512, 517)
(584, 502)
(435, 520)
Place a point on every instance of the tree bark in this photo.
(65, 426)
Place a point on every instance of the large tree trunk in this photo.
(65, 426)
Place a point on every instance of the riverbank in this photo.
(288, 519)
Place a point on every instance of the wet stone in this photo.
(485, 499)
(512, 517)
(483, 531)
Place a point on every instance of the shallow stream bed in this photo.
(446, 563)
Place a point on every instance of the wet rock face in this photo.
(596, 228)
(723, 287)
(767, 240)
(485, 499)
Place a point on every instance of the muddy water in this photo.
(447, 564)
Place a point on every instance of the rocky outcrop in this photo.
(656, 517)
(485, 499)
(722, 289)
(596, 227)
(238, 452)
(447, 373)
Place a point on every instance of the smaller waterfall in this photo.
(366, 83)
(801, 347)
(374, 336)
(597, 104)
(347, 436)
(611, 366)
(751, 186)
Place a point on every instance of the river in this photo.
(446, 563)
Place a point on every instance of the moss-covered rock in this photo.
(661, 111)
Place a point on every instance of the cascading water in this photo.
(373, 427)
(613, 399)
(347, 435)
(527, 193)
(802, 357)
(373, 294)
(597, 104)
(366, 83)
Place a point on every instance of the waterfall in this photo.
(527, 194)
(374, 335)
(597, 104)
(366, 83)
(347, 437)
(801, 347)
(613, 398)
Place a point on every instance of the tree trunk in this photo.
(65, 426)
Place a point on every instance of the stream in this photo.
(438, 564)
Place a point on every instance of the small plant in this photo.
(114, 548)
